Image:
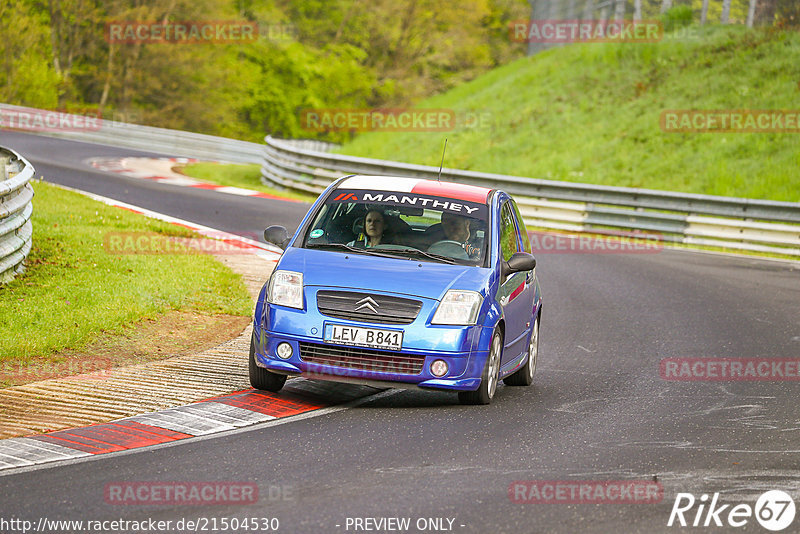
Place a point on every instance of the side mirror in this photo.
(520, 261)
(277, 235)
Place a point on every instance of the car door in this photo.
(516, 291)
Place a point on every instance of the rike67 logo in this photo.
(774, 510)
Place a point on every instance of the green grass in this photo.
(590, 113)
(74, 289)
(236, 175)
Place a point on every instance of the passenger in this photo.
(456, 228)
(373, 233)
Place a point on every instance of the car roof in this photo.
(469, 193)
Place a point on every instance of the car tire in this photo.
(261, 378)
(524, 377)
(491, 371)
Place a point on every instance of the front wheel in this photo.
(491, 371)
(524, 377)
(261, 378)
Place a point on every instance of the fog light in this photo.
(439, 368)
(284, 351)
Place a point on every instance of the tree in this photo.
(555, 9)
(751, 13)
(666, 5)
(73, 38)
(619, 11)
(588, 10)
(603, 12)
(27, 76)
(726, 11)
(704, 13)
(343, 53)
(764, 13)
(788, 13)
(570, 10)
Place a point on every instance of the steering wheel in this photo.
(448, 247)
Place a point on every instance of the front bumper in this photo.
(463, 348)
(464, 367)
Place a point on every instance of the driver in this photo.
(373, 234)
(456, 228)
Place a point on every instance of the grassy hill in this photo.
(590, 113)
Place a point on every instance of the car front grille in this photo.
(367, 308)
(361, 358)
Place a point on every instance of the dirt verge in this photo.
(176, 333)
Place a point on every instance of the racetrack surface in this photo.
(598, 410)
(65, 162)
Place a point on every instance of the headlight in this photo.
(458, 308)
(286, 289)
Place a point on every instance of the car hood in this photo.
(360, 271)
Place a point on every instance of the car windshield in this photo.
(384, 223)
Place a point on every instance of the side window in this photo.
(508, 232)
(523, 232)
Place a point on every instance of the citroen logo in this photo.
(367, 302)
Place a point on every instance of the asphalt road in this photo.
(598, 410)
(64, 162)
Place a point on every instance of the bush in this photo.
(677, 17)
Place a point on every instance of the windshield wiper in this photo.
(387, 253)
(418, 252)
(354, 249)
(335, 245)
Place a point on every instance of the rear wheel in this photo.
(491, 371)
(524, 377)
(261, 378)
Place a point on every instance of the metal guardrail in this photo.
(733, 223)
(16, 229)
(145, 138)
(174, 143)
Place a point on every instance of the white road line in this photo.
(236, 191)
(161, 170)
(52, 448)
(184, 182)
(233, 415)
(262, 250)
(180, 420)
(35, 451)
(14, 461)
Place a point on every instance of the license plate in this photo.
(364, 337)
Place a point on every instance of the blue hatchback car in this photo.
(402, 282)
